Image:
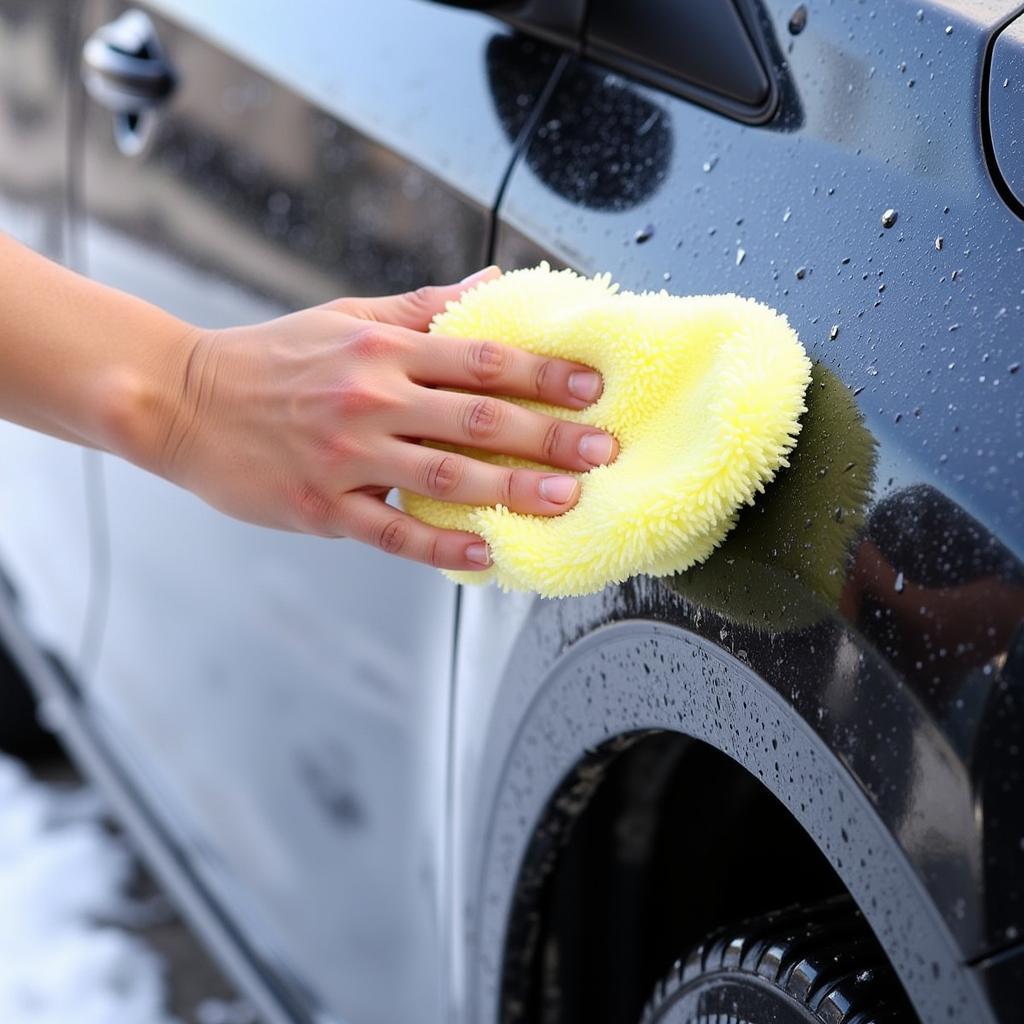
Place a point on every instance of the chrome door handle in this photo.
(124, 67)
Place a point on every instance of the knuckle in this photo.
(552, 443)
(442, 475)
(371, 342)
(313, 509)
(357, 397)
(487, 360)
(435, 553)
(339, 449)
(543, 375)
(346, 306)
(392, 536)
(482, 419)
(423, 298)
(507, 486)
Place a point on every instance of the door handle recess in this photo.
(124, 67)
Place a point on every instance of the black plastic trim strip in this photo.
(686, 90)
(1002, 186)
(519, 148)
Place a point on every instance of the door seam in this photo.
(519, 148)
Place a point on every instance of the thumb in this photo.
(413, 310)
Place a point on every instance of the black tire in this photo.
(820, 965)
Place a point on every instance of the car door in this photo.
(44, 531)
(282, 702)
(852, 192)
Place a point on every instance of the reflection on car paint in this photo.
(784, 563)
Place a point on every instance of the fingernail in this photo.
(584, 384)
(477, 275)
(557, 489)
(478, 554)
(596, 448)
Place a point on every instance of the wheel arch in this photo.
(601, 696)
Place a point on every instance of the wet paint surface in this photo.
(878, 586)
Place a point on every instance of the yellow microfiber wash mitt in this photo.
(704, 394)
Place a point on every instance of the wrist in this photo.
(142, 405)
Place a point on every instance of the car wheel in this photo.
(820, 965)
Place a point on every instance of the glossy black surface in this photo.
(810, 965)
(878, 587)
(706, 52)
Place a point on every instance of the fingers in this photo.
(476, 421)
(413, 310)
(371, 520)
(449, 476)
(501, 369)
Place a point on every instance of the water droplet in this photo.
(899, 584)
(834, 333)
(645, 233)
(872, 371)
(949, 30)
(881, 287)
(798, 20)
(938, 243)
(279, 203)
(889, 218)
(920, 14)
(801, 273)
(787, 215)
(667, 276)
(741, 255)
(1013, 367)
(709, 165)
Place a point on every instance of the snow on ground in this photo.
(63, 882)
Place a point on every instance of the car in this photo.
(786, 785)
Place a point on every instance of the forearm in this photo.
(305, 422)
(85, 362)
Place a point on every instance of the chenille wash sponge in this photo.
(704, 394)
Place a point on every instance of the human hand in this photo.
(307, 422)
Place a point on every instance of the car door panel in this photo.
(283, 701)
(917, 315)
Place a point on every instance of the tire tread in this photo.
(824, 957)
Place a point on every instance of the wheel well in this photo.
(651, 842)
